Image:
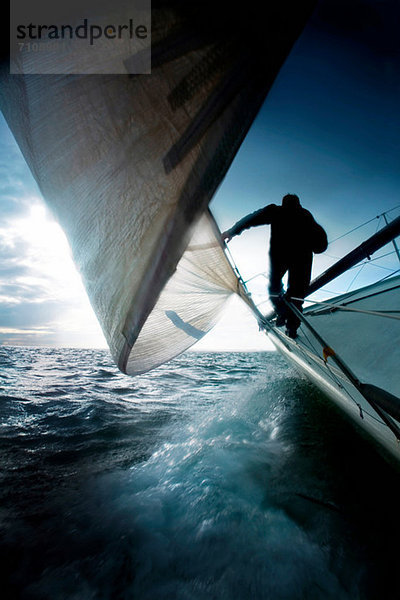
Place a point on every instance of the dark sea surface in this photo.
(217, 476)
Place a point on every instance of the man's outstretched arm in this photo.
(259, 217)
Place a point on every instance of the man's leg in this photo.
(298, 282)
(277, 269)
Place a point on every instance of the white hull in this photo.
(306, 354)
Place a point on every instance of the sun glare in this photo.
(51, 276)
(48, 276)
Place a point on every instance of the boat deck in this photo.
(368, 343)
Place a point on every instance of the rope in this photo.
(345, 370)
(352, 230)
(371, 260)
(255, 276)
(374, 313)
(389, 275)
(355, 276)
(363, 224)
(354, 292)
(311, 348)
(381, 266)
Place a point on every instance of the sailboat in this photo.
(348, 346)
(128, 165)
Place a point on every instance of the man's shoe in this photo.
(292, 333)
(280, 321)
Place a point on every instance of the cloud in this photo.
(26, 314)
(28, 305)
(17, 185)
(42, 300)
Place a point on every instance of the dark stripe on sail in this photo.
(209, 112)
(217, 59)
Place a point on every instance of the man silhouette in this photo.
(295, 235)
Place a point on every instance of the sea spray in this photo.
(216, 476)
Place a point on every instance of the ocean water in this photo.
(217, 476)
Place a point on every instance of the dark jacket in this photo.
(293, 229)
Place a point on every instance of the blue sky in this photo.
(42, 301)
(329, 131)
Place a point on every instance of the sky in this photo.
(328, 131)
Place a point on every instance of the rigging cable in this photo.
(365, 223)
(375, 313)
(356, 291)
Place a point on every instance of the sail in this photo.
(128, 164)
(189, 304)
(371, 310)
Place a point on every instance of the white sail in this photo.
(365, 330)
(189, 304)
(128, 164)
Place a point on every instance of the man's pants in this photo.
(299, 274)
